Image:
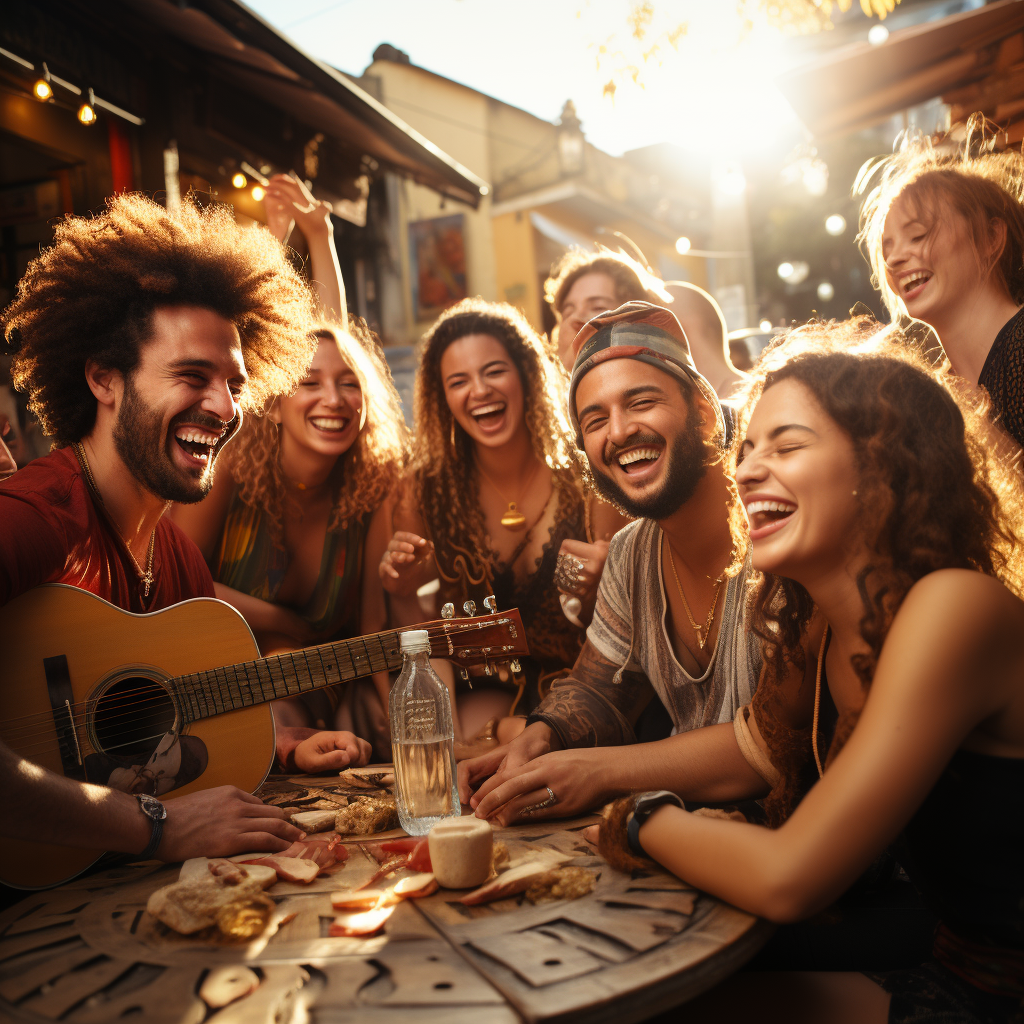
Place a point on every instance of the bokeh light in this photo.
(258, 192)
(42, 90)
(826, 292)
(877, 35)
(238, 179)
(682, 245)
(835, 225)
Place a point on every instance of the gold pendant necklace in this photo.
(702, 634)
(146, 576)
(512, 519)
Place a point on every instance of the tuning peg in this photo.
(448, 610)
(488, 669)
(469, 607)
(490, 604)
(464, 673)
(515, 666)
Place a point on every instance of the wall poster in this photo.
(437, 264)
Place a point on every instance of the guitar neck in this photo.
(215, 691)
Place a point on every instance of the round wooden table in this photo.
(88, 953)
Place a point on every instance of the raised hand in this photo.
(408, 564)
(289, 204)
(579, 572)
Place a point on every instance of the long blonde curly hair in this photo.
(365, 475)
(444, 473)
(962, 170)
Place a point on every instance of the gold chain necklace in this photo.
(513, 519)
(145, 575)
(702, 635)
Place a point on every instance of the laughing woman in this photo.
(497, 496)
(298, 520)
(870, 501)
(943, 230)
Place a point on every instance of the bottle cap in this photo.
(412, 641)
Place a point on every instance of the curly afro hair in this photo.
(91, 295)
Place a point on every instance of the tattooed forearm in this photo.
(588, 709)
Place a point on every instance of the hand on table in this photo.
(490, 768)
(576, 777)
(330, 751)
(289, 203)
(407, 565)
(221, 822)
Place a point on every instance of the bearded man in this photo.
(141, 337)
(669, 619)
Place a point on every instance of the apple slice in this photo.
(415, 886)
(515, 880)
(365, 923)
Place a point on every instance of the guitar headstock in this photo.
(472, 640)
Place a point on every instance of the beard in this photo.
(140, 441)
(685, 470)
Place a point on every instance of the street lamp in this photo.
(571, 142)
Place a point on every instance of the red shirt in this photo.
(52, 532)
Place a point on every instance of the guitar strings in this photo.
(42, 722)
(431, 633)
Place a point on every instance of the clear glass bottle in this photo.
(422, 740)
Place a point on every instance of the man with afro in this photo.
(141, 337)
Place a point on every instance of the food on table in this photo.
(500, 858)
(389, 867)
(461, 851)
(366, 815)
(225, 894)
(566, 883)
(289, 869)
(363, 899)
(325, 852)
(314, 821)
(223, 985)
(416, 851)
(415, 886)
(516, 879)
(360, 924)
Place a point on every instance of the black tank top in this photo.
(964, 847)
(1002, 376)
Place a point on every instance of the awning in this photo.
(255, 56)
(859, 85)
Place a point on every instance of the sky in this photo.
(536, 54)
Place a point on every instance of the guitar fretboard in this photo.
(214, 691)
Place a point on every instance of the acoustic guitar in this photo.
(176, 700)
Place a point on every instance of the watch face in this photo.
(151, 807)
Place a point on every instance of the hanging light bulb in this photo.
(41, 89)
(765, 325)
(87, 111)
(682, 245)
(258, 192)
(238, 179)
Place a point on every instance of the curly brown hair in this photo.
(967, 176)
(632, 281)
(445, 476)
(931, 497)
(365, 475)
(91, 295)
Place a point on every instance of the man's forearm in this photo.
(77, 813)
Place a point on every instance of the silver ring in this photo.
(550, 802)
(567, 572)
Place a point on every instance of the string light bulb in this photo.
(87, 111)
(765, 325)
(42, 90)
(258, 192)
(238, 179)
(682, 245)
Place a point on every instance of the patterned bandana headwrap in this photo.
(638, 330)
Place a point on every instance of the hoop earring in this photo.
(452, 438)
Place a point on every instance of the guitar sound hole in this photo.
(131, 718)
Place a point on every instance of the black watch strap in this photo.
(156, 819)
(644, 807)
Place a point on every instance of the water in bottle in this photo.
(422, 740)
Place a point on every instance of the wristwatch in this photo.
(156, 812)
(646, 804)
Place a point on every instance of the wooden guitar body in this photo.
(105, 650)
